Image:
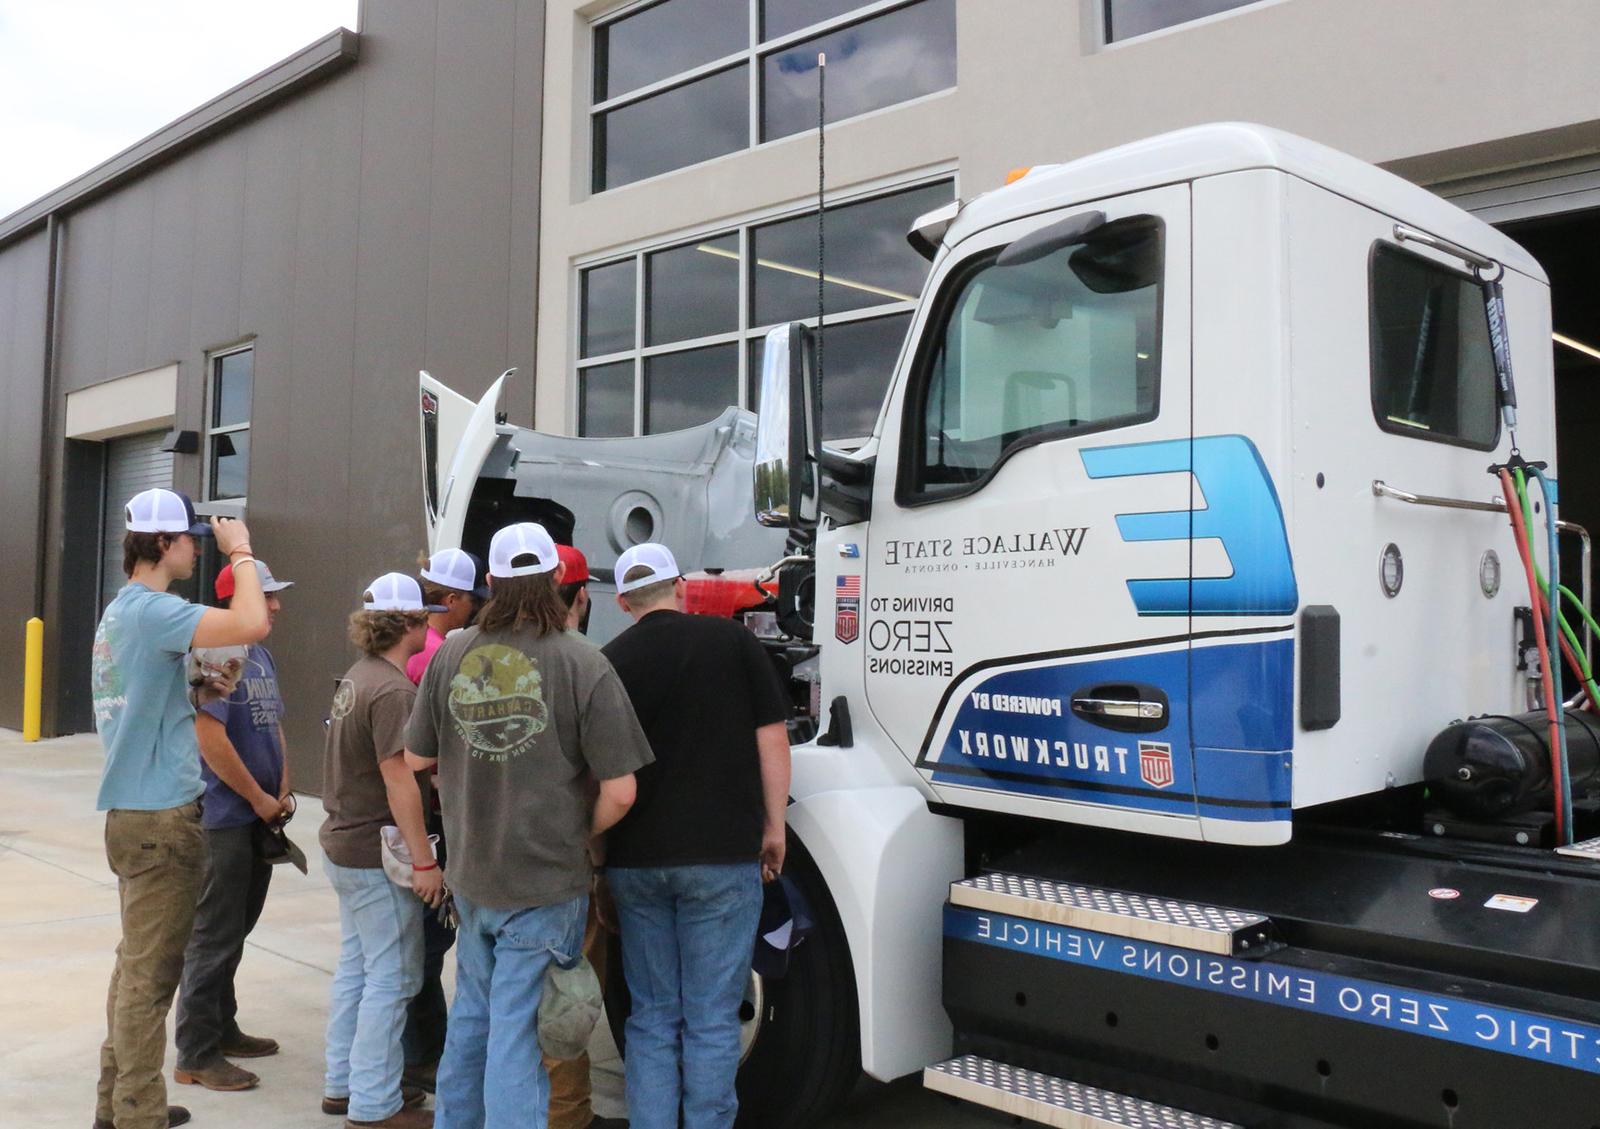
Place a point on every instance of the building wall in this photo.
(1434, 88)
(382, 222)
(23, 273)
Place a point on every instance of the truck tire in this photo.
(806, 1053)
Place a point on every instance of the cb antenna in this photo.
(822, 244)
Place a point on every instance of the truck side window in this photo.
(1432, 366)
(1065, 344)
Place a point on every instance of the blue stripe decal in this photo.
(1541, 1038)
(1242, 511)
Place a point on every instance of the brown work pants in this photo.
(159, 859)
(569, 1077)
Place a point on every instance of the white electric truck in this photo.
(1177, 740)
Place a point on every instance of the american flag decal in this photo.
(847, 608)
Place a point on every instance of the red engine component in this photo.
(725, 593)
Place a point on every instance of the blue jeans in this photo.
(687, 936)
(380, 969)
(492, 1075)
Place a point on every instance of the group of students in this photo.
(638, 787)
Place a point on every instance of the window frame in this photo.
(913, 436)
(751, 57)
(214, 360)
(1104, 22)
(1381, 417)
(746, 330)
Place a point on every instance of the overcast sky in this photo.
(81, 80)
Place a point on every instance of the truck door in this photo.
(457, 436)
(1026, 606)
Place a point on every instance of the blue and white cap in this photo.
(163, 511)
(457, 569)
(657, 558)
(395, 592)
(524, 549)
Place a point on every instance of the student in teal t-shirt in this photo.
(151, 785)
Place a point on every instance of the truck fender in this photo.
(888, 862)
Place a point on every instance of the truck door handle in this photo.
(1128, 707)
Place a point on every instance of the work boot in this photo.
(424, 1076)
(218, 1074)
(410, 1098)
(401, 1119)
(176, 1115)
(240, 1045)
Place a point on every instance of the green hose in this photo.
(1566, 628)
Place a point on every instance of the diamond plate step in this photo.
(1588, 849)
(1189, 925)
(1048, 1100)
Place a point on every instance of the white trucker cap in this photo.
(163, 511)
(526, 539)
(457, 569)
(657, 558)
(396, 592)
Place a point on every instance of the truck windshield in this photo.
(1067, 343)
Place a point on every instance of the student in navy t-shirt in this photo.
(247, 786)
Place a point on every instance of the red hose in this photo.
(1552, 706)
(1566, 649)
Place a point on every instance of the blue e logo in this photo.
(1242, 511)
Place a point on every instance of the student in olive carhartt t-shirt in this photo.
(521, 718)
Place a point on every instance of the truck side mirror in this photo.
(786, 478)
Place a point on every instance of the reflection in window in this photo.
(231, 404)
(607, 299)
(895, 57)
(682, 126)
(869, 261)
(654, 108)
(230, 464)
(692, 291)
(664, 40)
(687, 389)
(858, 360)
(1069, 341)
(708, 303)
(1127, 18)
(227, 442)
(605, 400)
(1432, 366)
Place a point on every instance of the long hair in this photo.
(144, 548)
(375, 632)
(519, 602)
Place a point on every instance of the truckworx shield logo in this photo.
(1241, 510)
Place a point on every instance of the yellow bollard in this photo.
(33, 680)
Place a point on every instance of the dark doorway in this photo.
(1566, 247)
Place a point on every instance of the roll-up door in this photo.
(132, 464)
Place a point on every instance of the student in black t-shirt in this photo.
(686, 864)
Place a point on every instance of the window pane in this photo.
(897, 56)
(607, 302)
(686, 389)
(858, 360)
(1067, 341)
(665, 40)
(692, 291)
(605, 400)
(869, 262)
(682, 126)
(230, 464)
(1432, 365)
(1127, 18)
(230, 400)
(780, 17)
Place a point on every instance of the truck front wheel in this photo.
(800, 1037)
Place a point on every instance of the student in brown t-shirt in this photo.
(367, 785)
(520, 717)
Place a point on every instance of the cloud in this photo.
(80, 80)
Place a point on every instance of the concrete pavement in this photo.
(58, 931)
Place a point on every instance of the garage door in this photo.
(132, 464)
(1548, 189)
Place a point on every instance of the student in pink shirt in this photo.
(454, 581)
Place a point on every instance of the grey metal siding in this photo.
(383, 221)
(132, 464)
